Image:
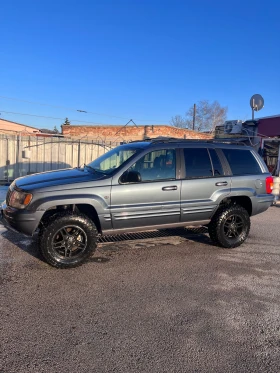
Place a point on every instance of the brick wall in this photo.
(131, 132)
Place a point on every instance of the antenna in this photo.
(256, 103)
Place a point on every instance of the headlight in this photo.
(20, 200)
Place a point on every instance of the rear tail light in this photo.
(269, 184)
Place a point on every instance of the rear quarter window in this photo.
(242, 162)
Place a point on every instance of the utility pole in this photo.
(194, 114)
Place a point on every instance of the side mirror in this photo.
(131, 177)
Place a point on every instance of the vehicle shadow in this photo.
(26, 244)
(30, 245)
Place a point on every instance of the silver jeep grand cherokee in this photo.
(153, 184)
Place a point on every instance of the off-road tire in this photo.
(50, 230)
(223, 216)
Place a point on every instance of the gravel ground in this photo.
(160, 304)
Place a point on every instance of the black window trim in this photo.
(221, 161)
(224, 162)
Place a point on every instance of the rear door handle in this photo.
(173, 187)
(221, 183)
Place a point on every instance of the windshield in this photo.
(112, 160)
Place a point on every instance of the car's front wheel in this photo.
(230, 226)
(68, 240)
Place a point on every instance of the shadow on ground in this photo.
(199, 235)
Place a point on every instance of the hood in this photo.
(56, 178)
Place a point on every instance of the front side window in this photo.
(242, 162)
(156, 165)
(197, 163)
(113, 159)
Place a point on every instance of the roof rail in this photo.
(227, 141)
(176, 139)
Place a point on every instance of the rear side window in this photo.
(242, 162)
(197, 162)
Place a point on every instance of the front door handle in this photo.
(173, 187)
(221, 183)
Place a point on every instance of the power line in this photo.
(73, 109)
(43, 116)
(59, 107)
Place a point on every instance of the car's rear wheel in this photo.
(68, 240)
(230, 226)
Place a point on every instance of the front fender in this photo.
(101, 204)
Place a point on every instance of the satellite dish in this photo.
(256, 102)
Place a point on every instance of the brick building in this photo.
(130, 133)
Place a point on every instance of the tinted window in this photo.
(218, 169)
(197, 163)
(157, 165)
(242, 162)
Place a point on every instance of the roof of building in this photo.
(272, 116)
(26, 127)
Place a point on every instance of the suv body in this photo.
(153, 184)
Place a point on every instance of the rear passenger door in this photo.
(205, 182)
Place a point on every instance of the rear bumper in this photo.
(261, 203)
(21, 221)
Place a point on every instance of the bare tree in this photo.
(178, 121)
(208, 115)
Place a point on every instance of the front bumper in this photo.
(22, 221)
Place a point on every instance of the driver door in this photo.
(154, 199)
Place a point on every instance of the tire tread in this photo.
(214, 231)
(47, 232)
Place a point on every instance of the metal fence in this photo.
(25, 155)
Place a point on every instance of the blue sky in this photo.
(147, 60)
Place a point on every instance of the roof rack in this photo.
(175, 139)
